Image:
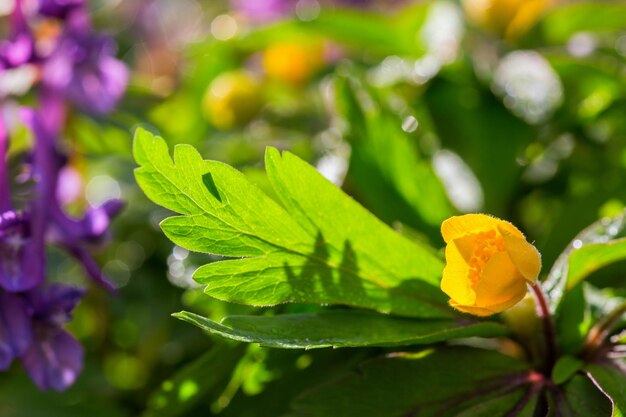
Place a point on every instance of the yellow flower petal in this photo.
(526, 17)
(455, 282)
(500, 282)
(506, 227)
(477, 311)
(516, 298)
(524, 256)
(488, 264)
(458, 226)
(488, 311)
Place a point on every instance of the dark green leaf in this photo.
(573, 320)
(584, 399)
(565, 368)
(21, 398)
(340, 329)
(429, 383)
(289, 373)
(191, 384)
(480, 129)
(611, 379)
(518, 403)
(386, 169)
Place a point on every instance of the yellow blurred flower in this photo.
(488, 264)
(293, 62)
(232, 99)
(509, 18)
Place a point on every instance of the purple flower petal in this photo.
(21, 263)
(92, 227)
(97, 220)
(23, 254)
(17, 51)
(54, 303)
(84, 69)
(70, 186)
(263, 10)
(6, 353)
(15, 328)
(5, 194)
(59, 8)
(54, 360)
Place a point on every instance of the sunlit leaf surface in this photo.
(319, 247)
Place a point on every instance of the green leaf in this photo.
(322, 247)
(386, 168)
(292, 372)
(351, 27)
(428, 383)
(598, 245)
(191, 384)
(584, 399)
(340, 329)
(612, 381)
(21, 398)
(519, 403)
(567, 20)
(573, 320)
(472, 123)
(367, 29)
(565, 368)
(600, 234)
(589, 258)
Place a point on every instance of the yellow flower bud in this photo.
(488, 264)
(232, 99)
(510, 18)
(293, 62)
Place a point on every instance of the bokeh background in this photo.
(418, 109)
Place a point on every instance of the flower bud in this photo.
(293, 62)
(232, 99)
(509, 18)
(488, 264)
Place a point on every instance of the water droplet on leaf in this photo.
(410, 124)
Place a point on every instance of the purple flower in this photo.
(22, 258)
(59, 8)
(92, 227)
(53, 304)
(83, 68)
(78, 68)
(15, 328)
(73, 234)
(18, 49)
(5, 199)
(261, 11)
(264, 10)
(54, 359)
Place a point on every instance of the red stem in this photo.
(543, 311)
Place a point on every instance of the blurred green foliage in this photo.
(419, 112)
